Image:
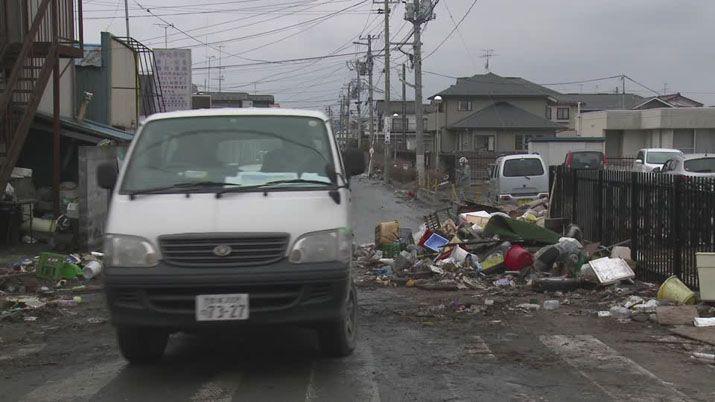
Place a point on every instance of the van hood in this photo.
(292, 212)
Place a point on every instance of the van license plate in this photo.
(222, 307)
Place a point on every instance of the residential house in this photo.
(668, 101)
(493, 114)
(402, 123)
(690, 129)
(567, 110)
(203, 100)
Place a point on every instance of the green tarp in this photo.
(514, 230)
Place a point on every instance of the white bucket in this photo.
(91, 269)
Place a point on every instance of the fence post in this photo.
(574, 195)
(635, 190)
(676, 224)
(599, 205)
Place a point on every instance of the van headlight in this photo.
(129, 251)
(324, 246)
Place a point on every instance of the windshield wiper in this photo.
(269, 184)
(180, 186)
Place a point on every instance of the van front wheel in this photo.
(338, 339)
(142, 345)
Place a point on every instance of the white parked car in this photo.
(518, 179)
(694, 165)
(650, 158)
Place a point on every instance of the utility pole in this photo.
(166, 33)
(359, 111)
(369, 67)
(386, 103)
(208, 80)
(126, 15)
(418, 16)
(220, 70)
(405, 120)
(623, 91)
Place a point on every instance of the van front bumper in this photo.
(280, 293)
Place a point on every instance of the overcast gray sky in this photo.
(656, 42)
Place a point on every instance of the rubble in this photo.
(32, 286)
(507, 258)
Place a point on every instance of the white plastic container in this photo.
(706, 275)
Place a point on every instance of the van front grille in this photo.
(223, 250)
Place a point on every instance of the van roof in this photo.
(661, 150)
(238, 112)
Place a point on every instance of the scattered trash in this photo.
(30, 318)
(96, 320)
(704, 321)
(529, 306)
(676, 291)
(504, 282)
(604, 314)
(705, 263)
(620, 312)
(710, 357)
(551, 305)
(611, 270)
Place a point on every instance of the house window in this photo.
(464, 106)
(521, 142)
(548, 113)
(562, 113)
(396, 125)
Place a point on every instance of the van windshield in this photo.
(523, 167)
(231, 150)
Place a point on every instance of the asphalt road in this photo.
(403, 354)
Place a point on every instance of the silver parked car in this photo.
(695, 165)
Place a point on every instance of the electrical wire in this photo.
(456, 27)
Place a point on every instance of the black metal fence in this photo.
(666, 218)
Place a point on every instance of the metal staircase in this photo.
(26, 65)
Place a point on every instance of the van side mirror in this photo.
(354, 161)
(638, 161)
(657, 170)
(107, 175)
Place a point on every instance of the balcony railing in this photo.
(16, 17)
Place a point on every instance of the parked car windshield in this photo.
(585, 160)
(523, 167)
(660, 157)
(235, 150)
(700, 165)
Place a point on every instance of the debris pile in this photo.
(507, 254)
(31, 286)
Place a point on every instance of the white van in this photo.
(518, 179)
(649, 159)
(229, 217)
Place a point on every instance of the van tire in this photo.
(141, 345)
(338, 338)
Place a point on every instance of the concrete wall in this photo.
(94, 201)
(705, 140)
(633, 140)
(593, 124)
(67, 91)
(124, 91)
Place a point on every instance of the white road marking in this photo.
(23, 351)
(479, 349)
(310, 391)
(83, 383)
(221, 388)
(335, 379)
(617, 376)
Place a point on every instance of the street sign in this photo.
(386, 130)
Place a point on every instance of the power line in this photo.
(639, 84)
(284, 60)
(456, 27)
